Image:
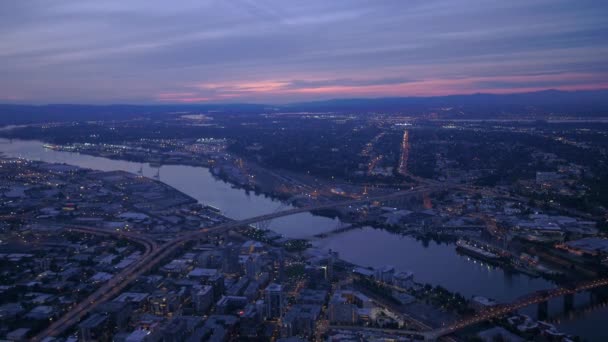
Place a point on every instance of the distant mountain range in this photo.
(591, 103)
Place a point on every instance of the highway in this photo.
(107, 290)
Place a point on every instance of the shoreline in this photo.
(332, 213)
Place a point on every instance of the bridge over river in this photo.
(538, 297)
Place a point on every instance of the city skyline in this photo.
(272, 52)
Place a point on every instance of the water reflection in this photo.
(436, 264)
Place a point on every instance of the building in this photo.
(237, 288)
(345, 306)
(163, 304)
(385, 274)
(118, 313)
(228, 304)
(481, 303)
(202, 299)
(498, 334)
(251, 292)
(41, 312)
(132, 297)
(544, 177)
(217, 328)
(94, 328)
(253, 266)
(202, 274)
(250, 320)
(19, 334)
(308, 296)
(274, 300)
(251, 246)
(364, 272)
(230, 259)
(217, 282)
(342, 310)
(300, 320)
(331, 259)
(175, 330)
(403, 279)
(141, 335)
(592, 246)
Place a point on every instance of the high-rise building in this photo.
(281, 261)
(274, 300)
(331, 259)
(217, 282)
(202, 299)
(253, 266)
(249, 324)
(230, 259)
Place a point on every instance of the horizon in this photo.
(194, 104)
(273, 52)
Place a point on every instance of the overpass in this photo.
(107, 290)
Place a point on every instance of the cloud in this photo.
(277, 51)
(285, 91)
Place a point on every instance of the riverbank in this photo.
(231, 169)
(432, 261)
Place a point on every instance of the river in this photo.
(434, 263)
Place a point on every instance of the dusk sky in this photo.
(157, 52)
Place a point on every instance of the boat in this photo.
(476, 251)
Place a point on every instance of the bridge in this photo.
(538, 297)
(281, 207)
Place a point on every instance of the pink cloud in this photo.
(278, 90)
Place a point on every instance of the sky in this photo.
(279, 51)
